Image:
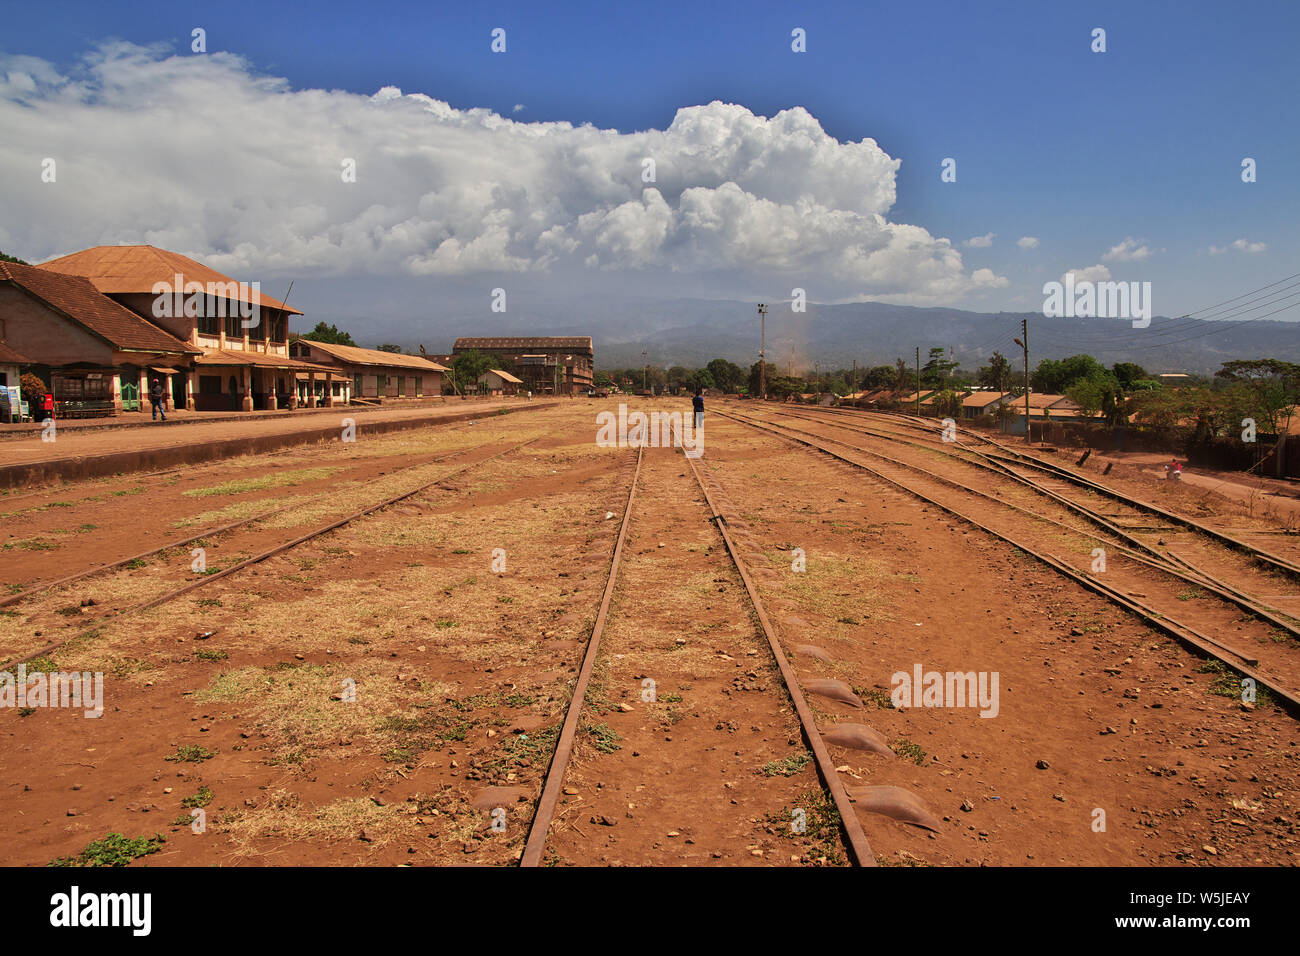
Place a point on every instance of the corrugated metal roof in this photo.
(79, 300)
(258, 360)
(360, 356)
(127, 269)
(506, 376)
(980, 399)
(574, 342)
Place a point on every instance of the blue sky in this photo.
(1081, 150)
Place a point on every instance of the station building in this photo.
(241, 335)
(372, 374)
(94, 353)
(545, 365)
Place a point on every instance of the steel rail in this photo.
(855, 837)
(271, 552)
(1167, 561)
(539, 830)
(42, 586)
(1143, 554)
(1256, 553)
(1180, 632)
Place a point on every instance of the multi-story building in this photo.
(241, 335)
(563, 365)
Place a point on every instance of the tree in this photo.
(390, 347)
(902, 377)
(727, 376)
(8, 258)
(997, 374)
(33, 389)
(948, 404)
(754, 369)
(678, 377)
(882, 376)
(703, 378)
(467, 367)
(1089, 394)
(1268, 389)
(1126, 373)
(781, 386)
(330, 335)
(1054, 376)
(937, 369)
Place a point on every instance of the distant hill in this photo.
(690, 332)
(873, 333)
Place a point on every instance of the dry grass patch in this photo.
(284, 817)
(241, 509)
(242, 485)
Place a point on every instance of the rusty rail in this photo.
(1174, 629)
(535, 845)
(855, 838)
(271, 552)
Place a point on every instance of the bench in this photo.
(94, 408)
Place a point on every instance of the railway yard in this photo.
(493, 641)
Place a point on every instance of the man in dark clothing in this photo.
(698, 403)
(156, 400)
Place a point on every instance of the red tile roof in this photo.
(79, 300)
(127, 269)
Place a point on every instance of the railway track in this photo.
(854, 839)
(954, 498)
(1012, 460)
(215, 532)
(1124, 536)
(278, 548)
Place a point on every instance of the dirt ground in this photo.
(390, 692)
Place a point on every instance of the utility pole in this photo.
(645, 370)
(918, 381)
(1024, 331)
(762, 352)
(853, 383)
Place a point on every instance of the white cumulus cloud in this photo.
(1027, 242)
(206, 156)
(1130, 250)
(1097, 273)
(980, 242)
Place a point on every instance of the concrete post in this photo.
(247, 380)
